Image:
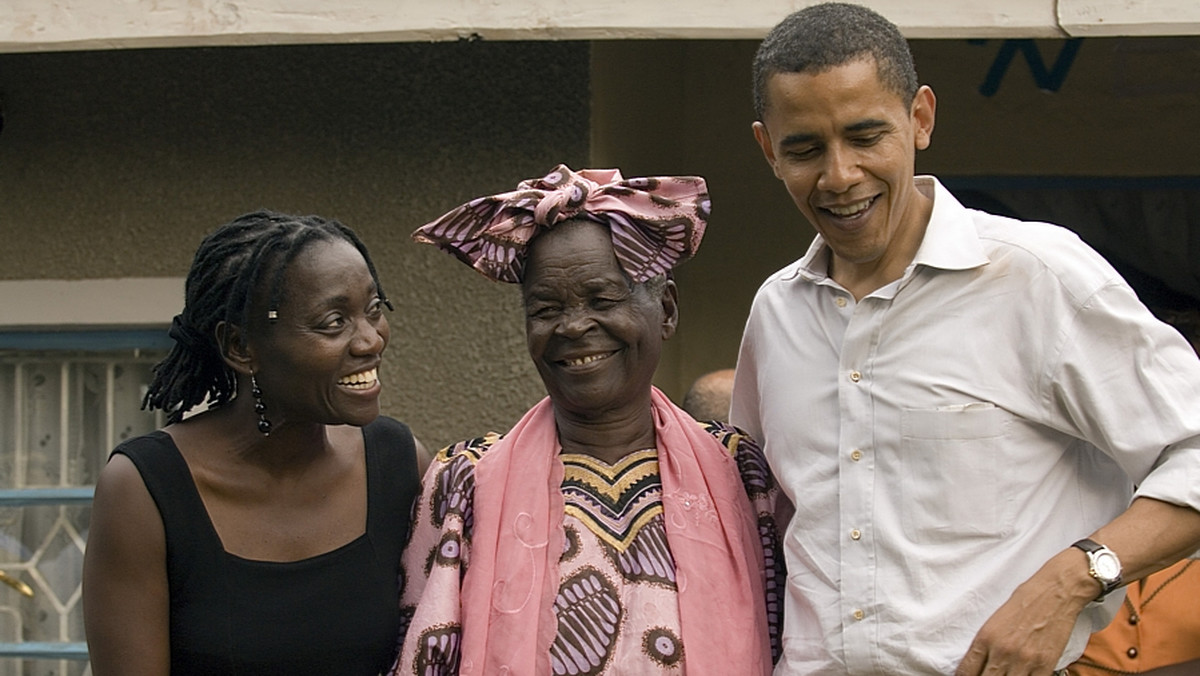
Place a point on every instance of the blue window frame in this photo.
(66, 399)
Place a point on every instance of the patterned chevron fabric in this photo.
(614, 502)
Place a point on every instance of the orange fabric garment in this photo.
(1159, 625)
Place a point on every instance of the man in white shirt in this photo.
(957, 403)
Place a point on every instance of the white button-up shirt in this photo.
(950, 432)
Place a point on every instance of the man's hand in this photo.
(1027, 635)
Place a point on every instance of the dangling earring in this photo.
(260, 408)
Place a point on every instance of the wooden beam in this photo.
(1097, 18)
(37, 25)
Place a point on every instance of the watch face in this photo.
(1106, 566)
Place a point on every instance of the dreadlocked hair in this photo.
(232, 264)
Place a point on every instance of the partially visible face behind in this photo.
(845, 146)
(318, 362)
(594, 338)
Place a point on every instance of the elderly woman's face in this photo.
(593, 336)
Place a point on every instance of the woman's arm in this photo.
(125, 593)
(424, 457)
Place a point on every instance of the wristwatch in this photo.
(1103, 565)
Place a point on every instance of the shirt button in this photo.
(840, 301)
(1133, 618)
(855, 534)
(855, 376)
(859, 614)
(856, 455)
(1132, 652)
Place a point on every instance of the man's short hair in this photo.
(821, 37)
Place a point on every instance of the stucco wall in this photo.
(116, 163)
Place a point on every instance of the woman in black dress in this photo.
(262, 533)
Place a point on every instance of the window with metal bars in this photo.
(66, 399)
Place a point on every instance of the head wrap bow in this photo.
(656, 223)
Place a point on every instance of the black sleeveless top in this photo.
(335, 613)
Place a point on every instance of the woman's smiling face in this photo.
(594, 336)
(318, 362)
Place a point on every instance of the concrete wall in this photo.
(116, 163)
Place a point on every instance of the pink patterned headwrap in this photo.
(656, 223)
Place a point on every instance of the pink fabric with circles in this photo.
(508, 593)
(656, 223)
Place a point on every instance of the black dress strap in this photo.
(191, 539)
(392, 479)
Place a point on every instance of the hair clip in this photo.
(272, 315)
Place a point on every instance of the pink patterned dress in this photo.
(617, 608)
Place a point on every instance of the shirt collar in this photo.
(948, 243)
(951, 241)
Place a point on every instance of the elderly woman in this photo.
(607, 532)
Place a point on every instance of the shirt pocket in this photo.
(953, 474)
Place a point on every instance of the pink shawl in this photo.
(509, 589)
